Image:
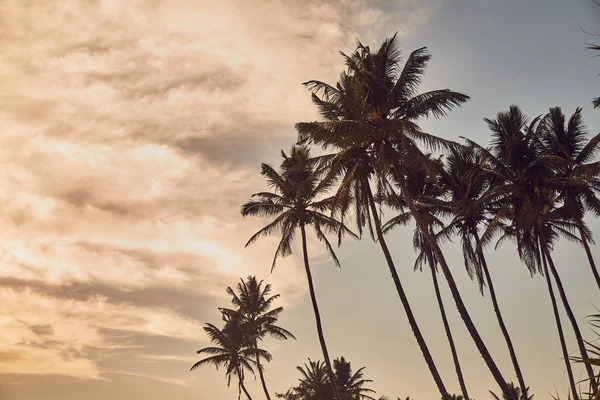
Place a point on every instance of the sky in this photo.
(133, 131)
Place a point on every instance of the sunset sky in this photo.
(131, 133)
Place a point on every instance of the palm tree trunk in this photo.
(438, 295)
(260, 373)
(485, 354)
(244, 389)
(318, 317)
(411, 318)
(588, 252)
(511, 349)
(561, 335)
(571, 316)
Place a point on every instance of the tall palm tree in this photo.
(465, 183)
(369, 113)
(351, 385)
(296, 203)
(400, 171)
(232, 349)
(253, 307)
(526, 203)
(577, 176)
(425, 191)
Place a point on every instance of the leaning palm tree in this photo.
(296, 203)
(578, 175)
(232, 349)
(465, 182)
(526, 204)
(425, 191)
(253, 307)
(351, 385)
(367, 115)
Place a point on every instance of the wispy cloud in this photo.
(132, 132)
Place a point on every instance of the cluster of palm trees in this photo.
(235, 346)
(314, 383)
(533, 184)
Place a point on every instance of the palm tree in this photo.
(465, 183)
(295, 204)
(369, 113)
(526, 203)
(253, 307)
(351, 385)
(400, 172)
(314, 383)
(577, 175)
(516, 393)
(425, 191)
(232, 349)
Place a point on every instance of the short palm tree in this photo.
(367, 115)
(232, 349)
(314, 383)
(465, 182)
(296, 203)
(351, 385)
(425, 192)
(577, 177)
(516, 393)
(253, 307)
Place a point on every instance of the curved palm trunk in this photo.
(588, 252)
(260, 373)
(485, 354)
(511, 349)
(571, 316)
(438, 295)
(244, 389)
(561, 335)
(411, 318)
(318, 317)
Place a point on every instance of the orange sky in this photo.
(132, 131)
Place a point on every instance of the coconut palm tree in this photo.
(526, 202)
(577, 176)
(314, 383)
(232, 349)
(425, 191)
(351, 385)
(369, 113)
(465, 182)
(400, 172)
(296, 203)
(516, 393)
(253, 307)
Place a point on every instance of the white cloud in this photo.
(132, 133)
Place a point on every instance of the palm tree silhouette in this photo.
(371, 111)
(314, 383)
(253, 307)
(465, 183)
(526, 205)
(233, 349)
(295, 204)
(425, 191)
(517, 393)
(577, 176)
(351, 385)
